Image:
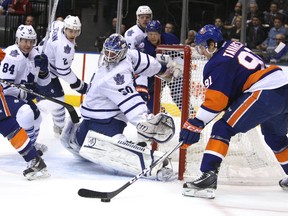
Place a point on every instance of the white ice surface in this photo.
(57, 195)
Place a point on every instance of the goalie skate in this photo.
(36, 169)
(203, 187)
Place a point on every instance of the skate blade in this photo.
(208, 193)
(38, 175)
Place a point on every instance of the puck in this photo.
(105, 200)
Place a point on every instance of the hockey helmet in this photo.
(72, 22)
(207, 33)
(154, 26)
(114, 48)
(26, 32)
(144, 9)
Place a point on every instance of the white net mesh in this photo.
(249, 160)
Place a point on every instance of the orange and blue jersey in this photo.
(251, 93)
(234, 69)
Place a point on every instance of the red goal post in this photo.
(185, 53)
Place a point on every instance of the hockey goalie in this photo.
(110, 103)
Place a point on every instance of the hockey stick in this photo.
(106, 196)
(51, 19)
(71, 110)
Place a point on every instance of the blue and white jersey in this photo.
(18, 68)
(134, 36)
(60, 52)
(111, 92)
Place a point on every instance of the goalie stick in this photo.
(87, 193)
(71, 110)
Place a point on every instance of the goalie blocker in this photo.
(122, 156)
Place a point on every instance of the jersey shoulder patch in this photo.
(14, 53)
(130, 33)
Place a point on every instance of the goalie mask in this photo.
(114, 48)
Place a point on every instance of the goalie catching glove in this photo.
(160, 128)
(174, 67)
(191, 130)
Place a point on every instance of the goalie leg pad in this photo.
(160, 128)
(68, 139)
(118, 155)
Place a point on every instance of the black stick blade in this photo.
(92, 194)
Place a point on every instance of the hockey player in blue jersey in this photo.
(250, 94)
(110, 103)
(154, 38)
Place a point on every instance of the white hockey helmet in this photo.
(144, 9)
(26, 32)
(72, 22)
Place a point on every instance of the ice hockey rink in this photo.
(57, 195)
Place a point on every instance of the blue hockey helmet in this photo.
(208, 32)
(114, 48)
(154, 26)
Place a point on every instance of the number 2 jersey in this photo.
(60, 52)
(111, 92)
(233, 70)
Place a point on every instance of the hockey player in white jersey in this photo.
(136, 34)
(19, 66)
(60, 50)
(111, 102)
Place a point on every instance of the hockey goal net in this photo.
(249, 160)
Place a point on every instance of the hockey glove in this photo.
(80, 86)
(191, 130)
(143, 91)
(41, 61)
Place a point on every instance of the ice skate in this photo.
(40, 148)
(36, 169)
(203, 187)
(284, 183)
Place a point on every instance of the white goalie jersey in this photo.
(60, 52)
(112, 93)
